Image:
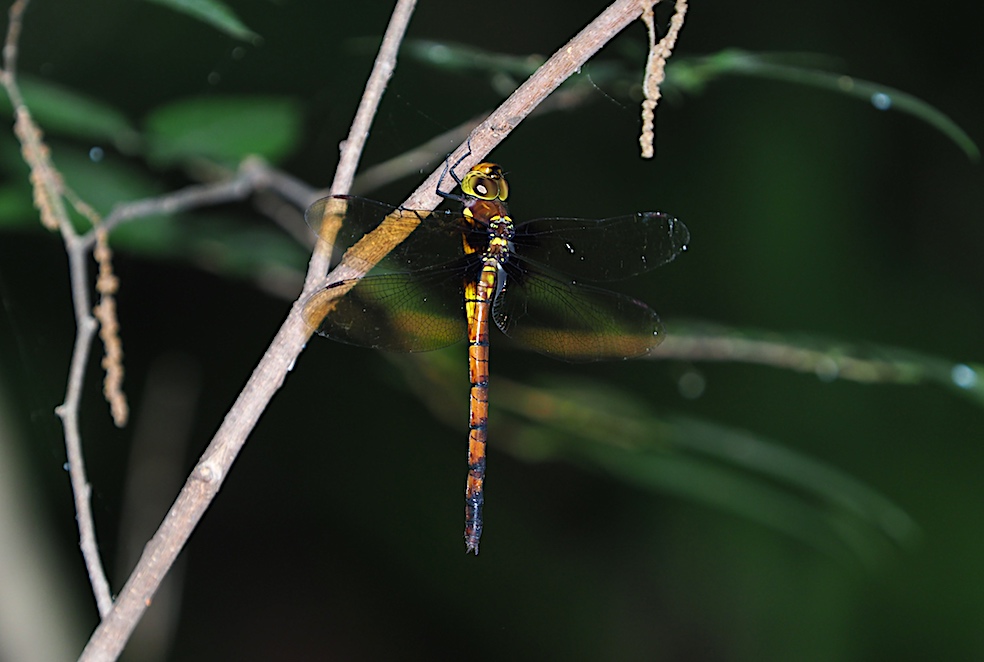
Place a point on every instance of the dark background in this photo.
(337, 535)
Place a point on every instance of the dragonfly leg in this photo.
(449, 169)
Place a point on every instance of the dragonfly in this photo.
(468, 266)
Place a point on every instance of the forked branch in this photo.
(202, 485)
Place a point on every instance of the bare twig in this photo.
(202, 485)
(13, 37)
(434, 150)
(108, 639)
(369, 250)
(204, 482)
(105, 311)
(426, 155)
(351, 149)
(69, 415)
(48, 191)
(827, 361)
(252, 175)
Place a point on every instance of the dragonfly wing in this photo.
(574, 322)
(406, 312)
(608, 249)
(432, 237)
(410, 301)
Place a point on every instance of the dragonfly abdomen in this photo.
(478, 309)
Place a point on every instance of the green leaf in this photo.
(61, 111)
(220, 243)
(598, 426)
(731, 470)
(214, 13)
(16, 209)
(693, 73)
(466, 58)
(223, 128)
(107, 182)
(227, 245)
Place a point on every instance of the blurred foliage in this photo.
(223, 129)
(693, 75)
(600, 542)
(214, 13)
(826, 358)
(613, 431)
(65, 112)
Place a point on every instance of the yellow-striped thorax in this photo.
(485, 191)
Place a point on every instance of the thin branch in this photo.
(48, 191)
(207, 477)
(68, 412)
(10, 44)
(826, 360)
(433, 151)
(351, 149)
(569, 59)
(110, 637)
(424, 156)
(203, 484)
(252, 175)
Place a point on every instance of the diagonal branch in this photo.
(569, 59)
(110, 637)
(203, 484)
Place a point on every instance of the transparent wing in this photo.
(413, 299)
(342, 220)
(408, 312)
(603, 250)
(573, 322)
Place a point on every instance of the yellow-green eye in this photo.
(485, 181)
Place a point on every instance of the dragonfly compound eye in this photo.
(478, 186)
(485, 182)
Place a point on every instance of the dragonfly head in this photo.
(485, 182)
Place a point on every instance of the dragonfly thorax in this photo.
(484, 211)
(500, 241)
